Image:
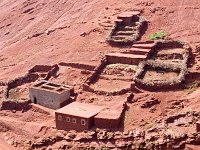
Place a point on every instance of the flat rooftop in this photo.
(109, 114)
(80, 110)
(51, 87)
(112, 113)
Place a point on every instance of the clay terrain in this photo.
(63, 41)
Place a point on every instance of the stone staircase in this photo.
(140, 48)
(133, 56)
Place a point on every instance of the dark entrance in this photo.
(35, 100)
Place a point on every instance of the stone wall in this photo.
(171, 44)
(97, 72)
(31, 76)
(19, 105)
(155, 85)
(129, 40)
(78, 66)
(86, 87)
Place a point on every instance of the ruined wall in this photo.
(20, 105)
(78, 66)
(31, 76)
(180, 67)
(18, 82)
(86, 87)
(129, 40)
(159, 45)
(123, 60)
(153, 85)
(97, 72)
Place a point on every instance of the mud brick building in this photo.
(76, 116)
(110, 118)
(49, 94)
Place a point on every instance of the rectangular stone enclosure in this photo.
(49, 94)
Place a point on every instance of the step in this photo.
(124, 33)
(127, 28)
(143, 46)
(124, 58)
(119, 37)
(138, 51)
(128, 14)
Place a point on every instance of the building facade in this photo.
(76, 116)
(49, 94)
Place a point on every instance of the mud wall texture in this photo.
(19, 105)
(123, 60)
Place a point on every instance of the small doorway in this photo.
(35, 100)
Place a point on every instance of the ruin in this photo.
(119, 75)
(152, 75)
(117, 70)
(49, 94)
(76, 116)
(166, 66)
(127, 28)
(170, 51)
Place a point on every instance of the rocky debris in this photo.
(4, 127)
(83, 34)
(123, 144)
(150, 102)
(102, 135)
(190, 117)
(176, 104)
(70, 136)
(84, 136)
(94, 145)
(139, 97)
(197, 47)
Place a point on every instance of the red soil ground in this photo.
(48, 32)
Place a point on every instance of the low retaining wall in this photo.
(19, 105)
(96, 72)
(19, 81)
(86, 87)
(41, 68)
(31, 76)
(78, 66)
